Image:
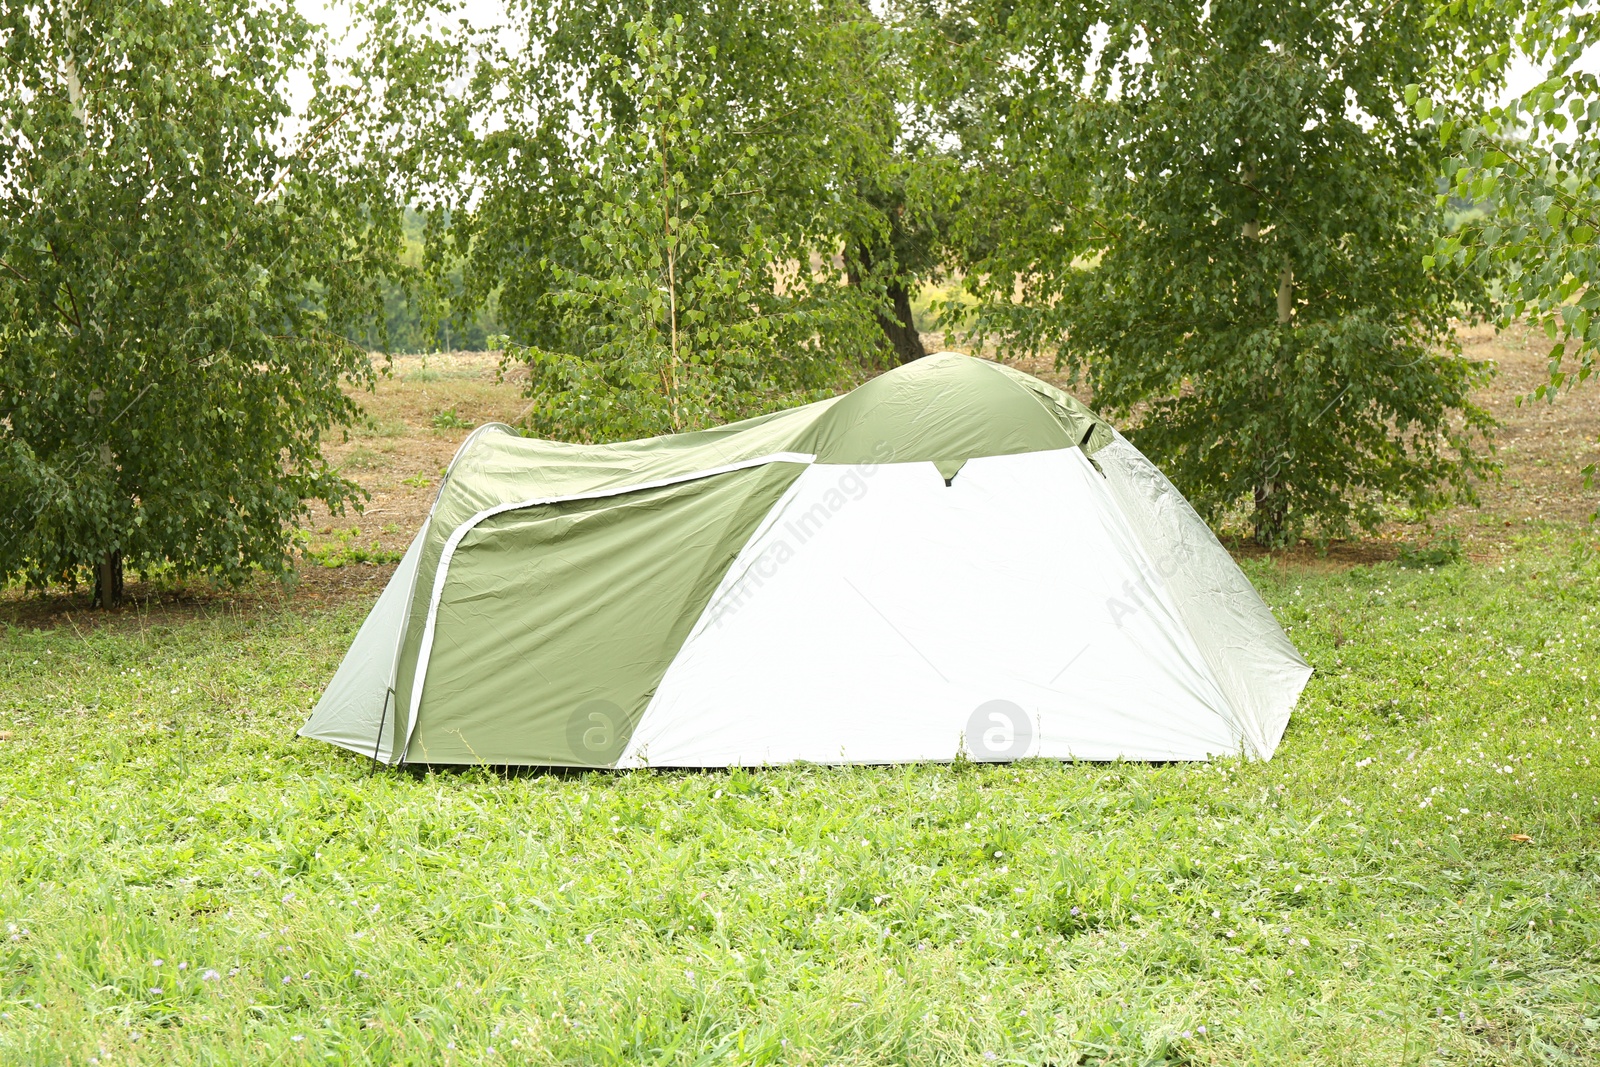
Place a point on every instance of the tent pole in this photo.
(378, 740)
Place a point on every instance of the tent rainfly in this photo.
(955, 559)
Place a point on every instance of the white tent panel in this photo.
(1249, 655)
(912, 620)
(352, 709)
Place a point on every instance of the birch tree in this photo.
(1217, 216)
(179, 268)
(666, 328)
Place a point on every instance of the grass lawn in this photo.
(1415, 878)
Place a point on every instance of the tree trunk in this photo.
(108, 570)
(108, 580)
(901, 330)
(1271, 516)
(1272, 506)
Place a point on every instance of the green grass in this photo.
(344, 550)
(450, 420)
(181, 881)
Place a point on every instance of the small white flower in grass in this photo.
(232, 971)
(990, 1056)
(155, 991)
(588, 939)
(449, 1044)
(297, 1038)
(184, 966)
(1186, 1035)
(158, 963)
(209, 975)
(288, 978)
(1200, 1030)
(689, 975)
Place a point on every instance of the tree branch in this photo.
(16, 273)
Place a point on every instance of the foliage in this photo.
(428, 311)
(665, 329)
(178, 273)
(1216, 215)
(1535, 163)
(504, 133)
(181, 881)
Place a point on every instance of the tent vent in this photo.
(949, 468)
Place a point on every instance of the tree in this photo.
(899, 244)
(806, 95)
(1217, 216)
(179, 268)
(666, 329)
(1533, 163)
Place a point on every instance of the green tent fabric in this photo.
(589, 605)
(573, 603)
(947, 411)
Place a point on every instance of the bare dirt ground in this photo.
(424, 407)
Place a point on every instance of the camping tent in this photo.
(952, 559)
